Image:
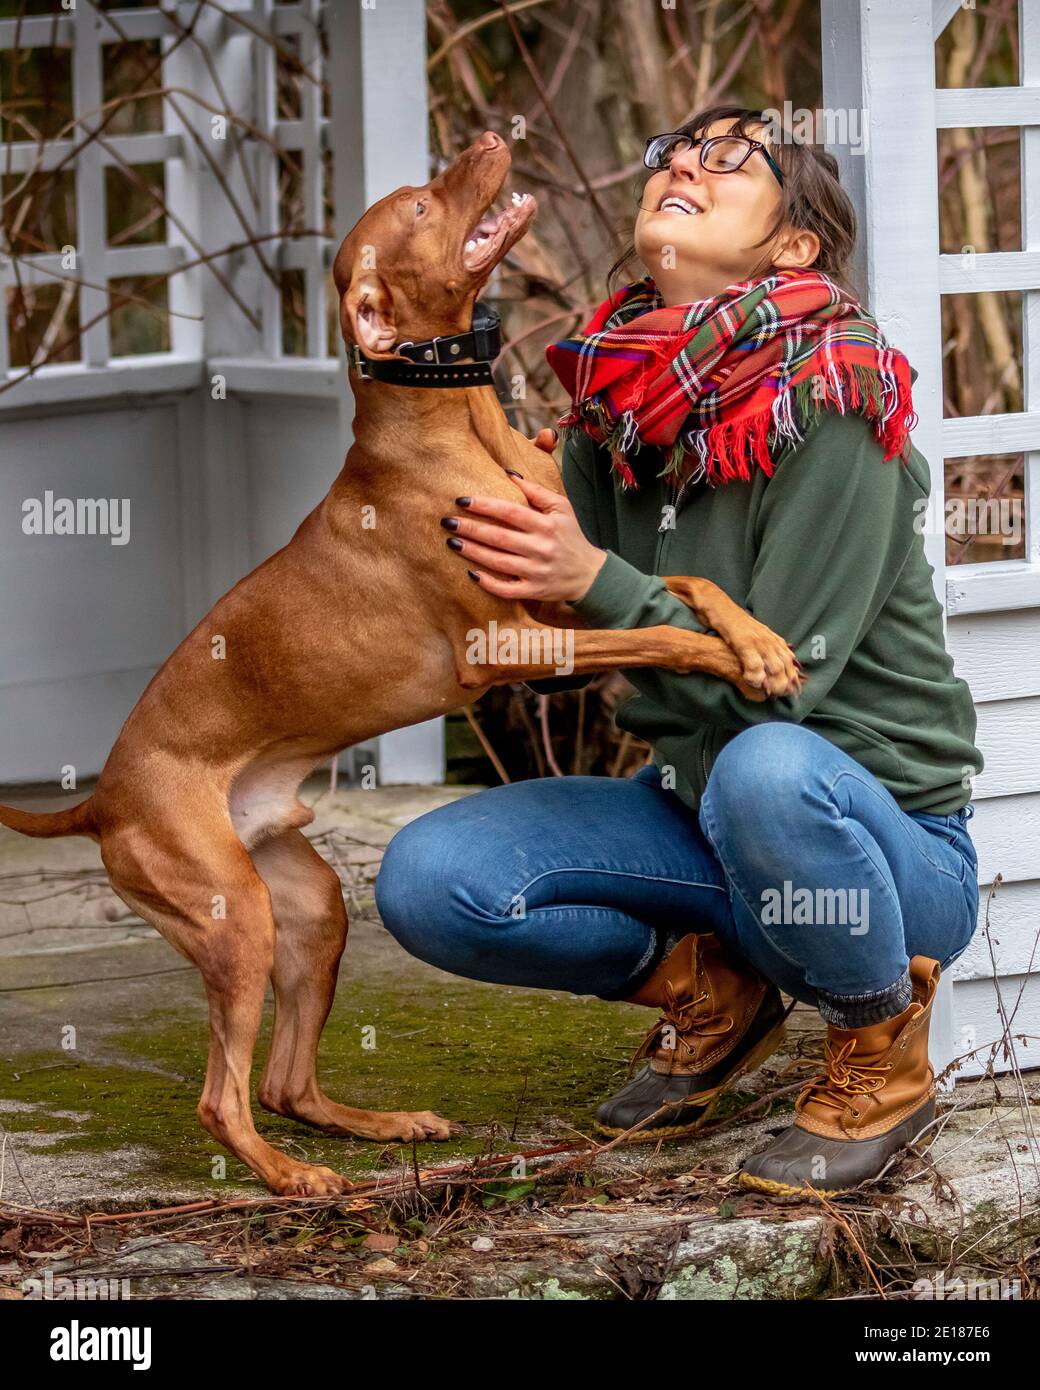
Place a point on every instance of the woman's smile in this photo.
(674, 203)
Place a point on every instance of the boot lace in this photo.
(681, 1014)
(844, 1079)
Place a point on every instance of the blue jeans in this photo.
(799, 860)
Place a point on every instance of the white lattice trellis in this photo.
(185, 146)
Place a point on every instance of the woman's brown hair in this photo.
(811, 199)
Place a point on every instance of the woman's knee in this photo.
(414, 880)
(431, 886)
(760, 775)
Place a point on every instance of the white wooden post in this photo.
(380, 141)
(879, 60)
(91, 236)
(212, 421)
(5, 349)
(1029, 51)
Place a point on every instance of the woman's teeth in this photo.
(679, 205)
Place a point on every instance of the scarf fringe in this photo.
(733, 449)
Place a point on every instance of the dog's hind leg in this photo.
(310, 933)
(203, 893)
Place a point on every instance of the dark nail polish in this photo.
(513, 473)
(450, 523)
(463, 501)
(474, 577)
(454, 542)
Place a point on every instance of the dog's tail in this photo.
(79, 820)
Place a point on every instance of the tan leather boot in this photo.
(718, 1019)
(876, 1095)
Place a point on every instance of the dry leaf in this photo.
(375, 1240)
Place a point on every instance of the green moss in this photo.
(489, 1058)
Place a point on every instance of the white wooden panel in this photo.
(151, 375)
(991, 270)
(1009, 738)
(965, 436)
(47, 726)
(998, 654)
(989, 588)
(960, 107)
(79, 605)
(314, 378)
(415, 754)
(979, 1024)
(1014, 922)
(1006, 832)
(292, 457)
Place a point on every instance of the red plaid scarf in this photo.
(724, 384)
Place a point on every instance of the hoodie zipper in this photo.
(663, 529)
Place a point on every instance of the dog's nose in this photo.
(489, 141)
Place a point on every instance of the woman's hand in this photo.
(518, 552)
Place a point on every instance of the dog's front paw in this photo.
(768, 664)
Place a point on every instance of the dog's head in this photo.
(414, 264)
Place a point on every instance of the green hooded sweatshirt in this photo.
(829, 553)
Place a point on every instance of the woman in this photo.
(815, 842)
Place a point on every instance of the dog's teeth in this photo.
(519, 198)
(471, 245)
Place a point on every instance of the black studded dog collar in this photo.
(438, 362)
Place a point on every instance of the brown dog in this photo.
(351, 630)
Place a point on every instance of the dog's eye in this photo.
(420, 208)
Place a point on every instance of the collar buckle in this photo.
(358, 361)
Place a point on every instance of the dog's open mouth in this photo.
(496, 231)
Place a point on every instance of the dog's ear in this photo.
(367, 315)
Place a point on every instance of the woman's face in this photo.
(696, 255)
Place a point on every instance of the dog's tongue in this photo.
(487, 224)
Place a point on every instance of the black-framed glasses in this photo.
(722, 154)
